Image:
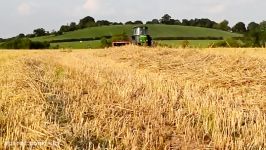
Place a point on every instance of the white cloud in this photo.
(216, 8)
(24, 9)
(91, 5)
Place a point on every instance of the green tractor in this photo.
(141, 36)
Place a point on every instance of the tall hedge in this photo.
(24, 43)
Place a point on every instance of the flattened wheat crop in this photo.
(133, 98)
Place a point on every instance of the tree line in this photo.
(254, 32)
(165, 19)
(24, 43)
(89, 21)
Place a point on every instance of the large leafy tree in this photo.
(263, 33)
(263, 26)
(138, 22)
(253, 26)
(224, 25)
(116, 23)
(165, 19)
(64, 28)
(103, 23)
(154, 21)
(129, 22)
(39, 32)
(240, 27)
(72, 26)
(256, 33)
(21, 35)
(87, 22)
(185, 22)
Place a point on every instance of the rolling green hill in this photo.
(155, 31)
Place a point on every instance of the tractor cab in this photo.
(140, 30)
(141, 36)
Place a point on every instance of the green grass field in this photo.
(192, 43)
(78, 45)
(187, 31)
(155, 31)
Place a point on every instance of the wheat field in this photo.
(133, 98)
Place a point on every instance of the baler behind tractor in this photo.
(140, 37)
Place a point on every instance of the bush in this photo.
(24, 43)
(251, 41)
(219, 44)
(17, 44)
(105, 42)
(185, 44)
(39, 45)
(58, 33)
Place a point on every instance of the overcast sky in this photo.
(22, 16)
